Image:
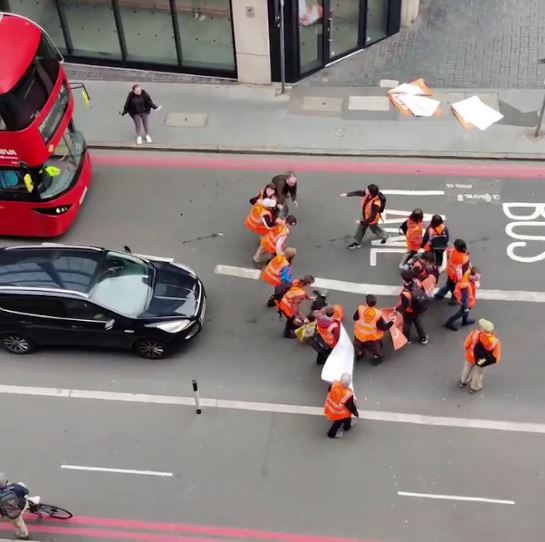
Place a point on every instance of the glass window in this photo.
(377, 20)
(123, 284)
(206, 34)
(13, 186)
(311, 34)
(92, 28)
(42, 306)
(148, 32)
(345, 26)
(45, 13)
(83, 310)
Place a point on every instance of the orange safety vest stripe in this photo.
(339, 313)
(268, 242)
(272, 273)
(335, 404)
(327, 333)
(289, 304)
(414, 235)
(365, 328)
(254, 221)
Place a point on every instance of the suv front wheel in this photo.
(151, 348)
(16, 343)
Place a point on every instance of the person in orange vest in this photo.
(458, 264)
(436, 238)
(340, 406)
(373, 204)
(279, 271)
(412, 229)
(270, 192)
(262, 217)
(328, 331)
(275, 240)
(465, 293)
(369, 330)
(423, 266)
(320, 303)
(483, 348)
(290, 305)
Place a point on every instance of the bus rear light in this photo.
(54, 211)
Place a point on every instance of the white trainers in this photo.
(148, 139)
(139, 140)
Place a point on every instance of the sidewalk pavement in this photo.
(352, 121)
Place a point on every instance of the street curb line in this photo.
(303, 151)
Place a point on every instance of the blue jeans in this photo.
(460, 313)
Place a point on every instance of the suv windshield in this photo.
(56, 176)
(123, 284)
(20, 106)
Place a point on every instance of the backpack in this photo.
(382, 199)
(281, 290)
(420, 300)
(439, 242)
(10, 507)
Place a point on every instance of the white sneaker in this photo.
(148, 139)
(139, 140)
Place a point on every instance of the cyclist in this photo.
(13, 503)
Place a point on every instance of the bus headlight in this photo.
(54, 211)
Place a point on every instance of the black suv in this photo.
(87, 296)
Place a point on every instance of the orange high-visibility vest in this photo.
(471, 291)
(456, 262)
(269, 240)
(367, 207)
(490, 342)
(365, 328)
(414, 235)
(327, 333)
(289, 304)
(254, 221)
(434, 232)
(335, 404)
(272, 273)
(339, 313)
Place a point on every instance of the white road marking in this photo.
(413, 192)
(453, 497)
(119, 471)
(372, 415)
(525, 296)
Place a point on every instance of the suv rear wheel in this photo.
(151, 348)
(16, 343)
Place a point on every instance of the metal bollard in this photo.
(198, 409)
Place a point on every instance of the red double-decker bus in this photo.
(45, 170)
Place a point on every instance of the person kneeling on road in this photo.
(412, 304)
(340, 405)
(369, 330)
(328, 331)
(290, 305)
(13, 504)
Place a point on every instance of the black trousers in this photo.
(322, 356)
(410, 318)
(336, 425)
(290, 327)
(375, 347)
(439, 257)
(448, 287)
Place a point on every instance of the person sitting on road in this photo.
(13, 504)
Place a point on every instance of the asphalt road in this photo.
(277, 472)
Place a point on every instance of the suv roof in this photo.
(49, 267)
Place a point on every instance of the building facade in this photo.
(226, 38)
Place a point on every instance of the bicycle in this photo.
(36, 506)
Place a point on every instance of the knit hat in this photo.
(486, 326)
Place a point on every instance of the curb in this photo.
(306, 151)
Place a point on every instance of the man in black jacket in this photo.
(406, 306)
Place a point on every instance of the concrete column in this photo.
(251, 25)
(409, 11)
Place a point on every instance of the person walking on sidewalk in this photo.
(138, 105)
(13, 505)
(465, 293)
(279, 271)
(369, 330)
(373, 204)
(412, 229)
(458, 264)
(274, 241)
(436, 239)
(483, 348)
(412, 304)
(340, 406)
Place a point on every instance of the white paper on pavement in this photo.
(408, 88)
(341, 359)
(419, 106)
(474, 111)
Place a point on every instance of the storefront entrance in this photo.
(319, 32)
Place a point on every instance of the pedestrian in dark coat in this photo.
(138, 105)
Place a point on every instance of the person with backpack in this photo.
(436, 239)
(465, 293)
(413, 302)
(13, 504)
(373, 204)
(412, 229)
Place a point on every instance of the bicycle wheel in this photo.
(52, 511)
